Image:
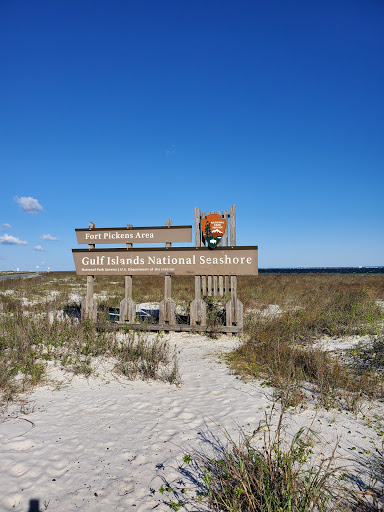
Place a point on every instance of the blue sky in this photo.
(137, 111)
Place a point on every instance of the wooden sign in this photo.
(213, 227)
(236, 261)
(141, 235)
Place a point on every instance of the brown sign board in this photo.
(141, 235)
(237, 261)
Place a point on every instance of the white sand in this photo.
(328, 344)
(102, 445)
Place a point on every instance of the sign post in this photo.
(198, 311)
(127, 306)
(167, 312)
(234, 307)
(90, 310)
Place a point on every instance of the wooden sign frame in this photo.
(215, 280)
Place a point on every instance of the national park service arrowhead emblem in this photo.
(213, 227)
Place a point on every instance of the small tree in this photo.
(207, 231)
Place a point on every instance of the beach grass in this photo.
(36, 332)
(281, 347)
(269, 477)
(267, 471)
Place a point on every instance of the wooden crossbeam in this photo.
(166, 327)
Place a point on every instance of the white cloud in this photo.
(29, 204)
(6, 225)
(171, 150)
(50, 237)
(11, 240)
(38, 248)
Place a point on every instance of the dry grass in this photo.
(290, 290)
(28, 344)
(35, 331)
(279, 348)
(267, 472)
(271, 477)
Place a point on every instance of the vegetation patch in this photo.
(30, 339)
(265, 472)
(280, 349)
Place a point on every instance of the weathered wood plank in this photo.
(90, 307)
(168, 223)
(233, 287)
(204, 285)
(234, 307)
(209, 286)
(215, 286)
(89, 300)
(198, 309)
(167, 287)
(197, 228)
(233, 224)
(129, 245)
(239, 315)
(167, 310)
(166, 327)
(127, 306)
(221, 239)
(202, 239)
(226, 286)
(226, 229)
(198, 287)
(221, 286)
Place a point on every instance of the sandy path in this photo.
(102, 445)
(113, 439)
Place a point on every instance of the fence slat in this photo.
(127, 306)
(204, 285)
(209, 286)
(90, 306)
(233, 224)
(198, 311)
(226, 229)
(166, 327)
(215, 286)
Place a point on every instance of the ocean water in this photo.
(323, 270)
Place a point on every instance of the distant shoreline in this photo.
(323, 270)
